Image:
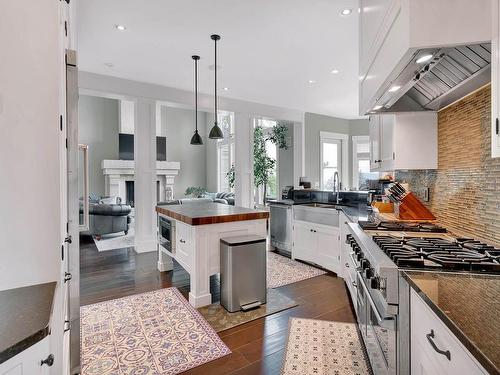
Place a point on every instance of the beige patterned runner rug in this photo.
(320, 347)
(157, 333)
(282, 271)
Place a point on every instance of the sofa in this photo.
(107, 215)
(223, 198)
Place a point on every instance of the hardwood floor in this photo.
(257, 347)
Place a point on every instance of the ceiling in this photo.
(269, 51)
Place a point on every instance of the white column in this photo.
(243, 160)
(298, 151)
(145, 175)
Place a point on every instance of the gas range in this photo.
(406, 226)
(441, 252)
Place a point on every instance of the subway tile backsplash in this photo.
(464, 192)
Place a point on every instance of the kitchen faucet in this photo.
(336, 186)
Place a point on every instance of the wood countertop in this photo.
(210, 213)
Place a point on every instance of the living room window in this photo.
(225, 151)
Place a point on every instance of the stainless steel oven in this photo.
(166, 228)
(378, 328)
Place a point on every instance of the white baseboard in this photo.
(200, 301)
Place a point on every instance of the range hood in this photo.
(446, 75)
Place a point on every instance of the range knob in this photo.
(359, 256)
(365, 264)
(375, 283)
(369, 273)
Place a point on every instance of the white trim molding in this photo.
(355, 140)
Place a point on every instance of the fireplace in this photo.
(119, 179)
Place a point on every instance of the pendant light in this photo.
(215, 132)
(196, 138)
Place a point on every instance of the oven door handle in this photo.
(353, 261)
(379, 317)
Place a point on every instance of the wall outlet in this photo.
(423, 193)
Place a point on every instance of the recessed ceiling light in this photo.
(377, 107)
(394, 88)
(346, 12)
(226, 88)
(311, 81)
(120, 27)
(109, 65)
(335, 71)
(423, 59)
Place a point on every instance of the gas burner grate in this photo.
(461, 254)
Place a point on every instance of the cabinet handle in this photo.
(313, 230)
(347, 265)
(182, 241)
(49, 361)
(430, 337)
(354, 284)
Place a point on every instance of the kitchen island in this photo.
(196, 241)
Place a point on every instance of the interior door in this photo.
(73, 226)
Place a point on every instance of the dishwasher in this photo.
(281, 226)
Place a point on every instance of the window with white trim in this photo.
(333, 158)
(225, 151)
(361, 163)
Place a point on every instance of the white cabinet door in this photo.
(328, 248)
(304, 242)
(28, 362)
(495, 81)
(374, 129)
(387, 123)
(434, 348)
(184, 245)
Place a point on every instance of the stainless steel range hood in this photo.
(450, 74)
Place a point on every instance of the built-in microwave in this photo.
(166, 233)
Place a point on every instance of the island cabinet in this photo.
(403, 141)
(317, 243)
(198, 231)
(434, 348)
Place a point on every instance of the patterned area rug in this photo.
(319, 347)
(220, 319)
(282, 271)
(151, 333)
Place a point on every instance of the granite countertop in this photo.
(210, 213)
(24, 317)
(469, 305)
(356, 213)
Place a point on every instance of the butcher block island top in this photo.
(210, 213)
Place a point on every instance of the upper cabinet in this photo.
(418, 55)
(495, 81)
(403, 141)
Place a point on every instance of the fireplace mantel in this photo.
(117, 172)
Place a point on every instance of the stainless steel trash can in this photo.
(243, 272)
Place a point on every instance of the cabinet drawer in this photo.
(423, 355)
(184, 245)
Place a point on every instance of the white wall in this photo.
(313, 124)
(98, 127)
(177, 125)
(211, 155)
(31, 145)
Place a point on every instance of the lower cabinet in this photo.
(29, 361)
(434, 348)
(316, 243)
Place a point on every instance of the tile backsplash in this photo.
(464, 191)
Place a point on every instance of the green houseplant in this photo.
(263, 164)
(195, 191)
